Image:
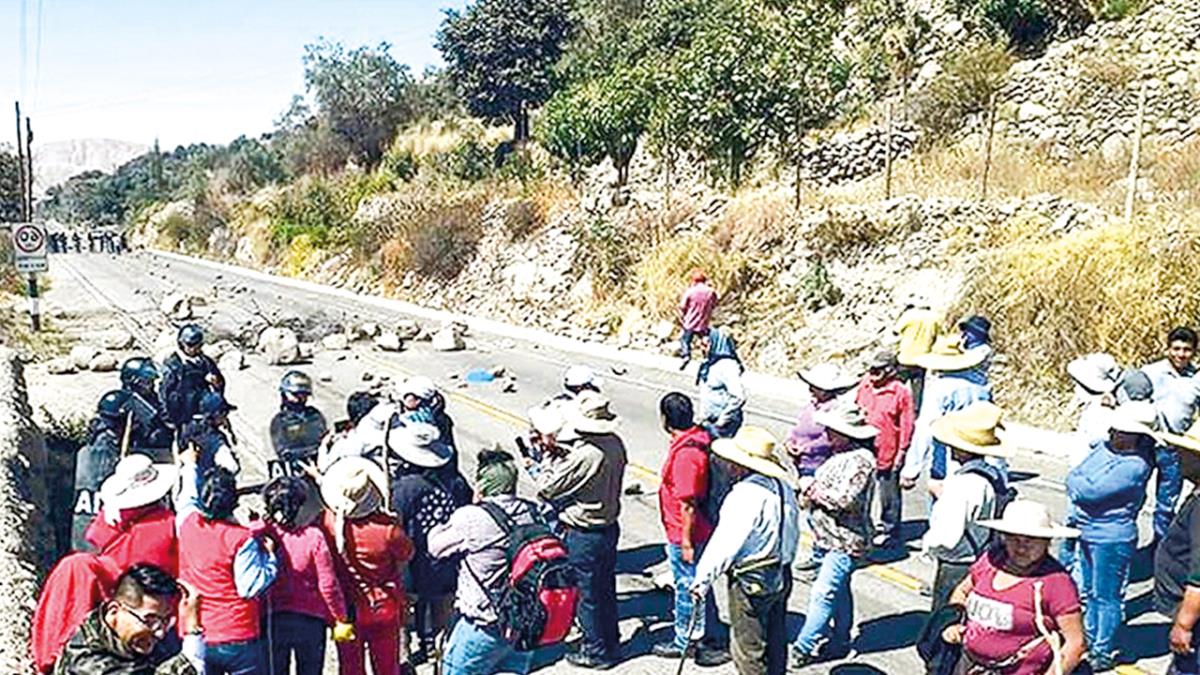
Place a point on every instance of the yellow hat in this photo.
(947, 355)
(753, 448)
(973, 429)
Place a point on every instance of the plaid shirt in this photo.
(840, 500)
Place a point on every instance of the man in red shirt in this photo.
(680, 495)
(889, 407)
(695, 309)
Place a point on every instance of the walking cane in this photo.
(697, 608)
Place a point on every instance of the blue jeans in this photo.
(1167, 487)
(830, 604)
(685, 343)
(236, 658)
(297, 637)
(684, 574)
(727, 430)
(478, 650)
(593, 557)
(1103, 568)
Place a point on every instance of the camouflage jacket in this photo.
(96, 650)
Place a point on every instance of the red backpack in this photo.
(537, 605)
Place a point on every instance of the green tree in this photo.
(501, 56)
(10, 188)
(362, 95)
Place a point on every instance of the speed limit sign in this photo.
(29, 247)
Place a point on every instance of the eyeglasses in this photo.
(152, 622)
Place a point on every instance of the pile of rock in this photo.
(855, 155)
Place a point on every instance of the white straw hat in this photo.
(137, 481)
(828, 377)
(589, 413)
(1098, 373)
(420, 444)
(581, 376)
(1135, 417)
(1028, 518)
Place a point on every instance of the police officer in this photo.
(297, 429)
(209, 430)
(78, 242)
(151, 433)
(190, 374)
(95, 461)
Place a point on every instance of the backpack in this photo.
(1004, 493)
(536, 607)
(719, 483)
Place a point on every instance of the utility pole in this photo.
(29, 170)
(21, 163)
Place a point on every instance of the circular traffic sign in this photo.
(29, 238)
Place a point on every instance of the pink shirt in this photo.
(307, 583)
(697, 306)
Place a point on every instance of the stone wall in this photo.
(855, 155)
(22, 512)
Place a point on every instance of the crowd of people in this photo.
(97, 241)
(368, 534)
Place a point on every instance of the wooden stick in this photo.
(987, 159)
(887, 157)
(1135, 157)
(128, 431)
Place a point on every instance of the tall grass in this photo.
(662, 275)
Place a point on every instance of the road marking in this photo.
(1128, 670)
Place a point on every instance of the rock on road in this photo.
(889, 606)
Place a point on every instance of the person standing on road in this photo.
(917, 328)
(1177, 561)
(1022, 613)
(297, 429)
(426, 489)
(838, 496)
(681, 496)
(230, 566)
(1106, 492)
(1177, 397)
(755, 541)
(476, 646)
(722, 393)
(95, 461)
(580, 472)
(976, 491)
(151, 433)
(124, 635)
(695, 311)
(888, 405)
(307, 596)
(371, 551)
(188, 375)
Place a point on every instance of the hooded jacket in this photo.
(96, 650)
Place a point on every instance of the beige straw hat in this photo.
(974, 429)
(753, 448)
(354, 487)
(589, 413)
(947, 355)
(1030, 519)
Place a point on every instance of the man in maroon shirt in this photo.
(695, 310)
(681, 493)
(889, 408)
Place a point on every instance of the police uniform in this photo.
(184, 383)
(94, 463)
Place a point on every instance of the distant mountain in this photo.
(55, 162)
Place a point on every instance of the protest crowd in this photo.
(370, 538)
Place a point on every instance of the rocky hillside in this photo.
(57, 161)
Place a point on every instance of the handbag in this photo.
(764, 577)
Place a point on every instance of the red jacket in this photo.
(308, 583)
(372, 566)
(206, 552)
(145, 535)
(890, 410)
(74, 587)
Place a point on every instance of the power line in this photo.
(22, 44)
(37, 58)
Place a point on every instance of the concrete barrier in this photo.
(23, 517)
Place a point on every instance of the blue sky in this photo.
(185, 71)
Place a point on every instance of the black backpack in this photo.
(1004, 494)
(537, 605)
(719, 483)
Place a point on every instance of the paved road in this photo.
(889, 606)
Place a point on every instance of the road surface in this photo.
(889, 605)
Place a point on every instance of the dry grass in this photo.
(433, 138)
(435, 238)
(755, 220)
(1114, 289)
(662, 275)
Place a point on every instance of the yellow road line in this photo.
(1128, 670)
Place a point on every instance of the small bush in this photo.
(1110, 70)
(1115, 10)
(662, 275)
(817, 290)
(402, 164)
(522, 218)
(970, 79)
(445, 242)
(607, 251)
(312, 207)
(468, 160)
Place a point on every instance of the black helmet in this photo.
(297, 383)
(139, 371)
(111, 404)
(212, 403)
(191, 335)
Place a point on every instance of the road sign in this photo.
(29, 247)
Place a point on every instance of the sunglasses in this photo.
(151, 622)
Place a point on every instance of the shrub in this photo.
(522, 218)
(817, 290)
(444, 243)
(607, 251)
(1115, 10)
(662, 275)
(311, 207)
(970, 79)
(468, 160)
(1110, 70)
(402, 164)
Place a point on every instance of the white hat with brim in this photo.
(827, 377)
(581, 376)
(753, 448)
(354, 487)
(551, 419)
(1097, 373)
(1027, 518)
(420, 444)
(948, 356)
(589, 413)
(1135, 417)
(975, 429)
(418, 385)
(137, 481)
(848, 421)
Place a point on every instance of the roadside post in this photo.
(29, 257)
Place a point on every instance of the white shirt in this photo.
(749, 529)
(966, 498)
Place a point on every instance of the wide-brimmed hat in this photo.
(551, 419)
(372, 430)
(354, 487)
(885, 359)
(1028, 518)
(581, 376)
(590, 413)
(1097, 373)
(1135, 417)
(827, 377)
(753, 448)
(1188, 440)
(947, 355)
(979, 325)
(418, 385)
(137, 481)
(848, 420)
(975, 429)
(420, 444)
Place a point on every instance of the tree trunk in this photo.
(521, 125)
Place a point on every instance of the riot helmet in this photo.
(297, 383)
(190, 339)
(212, 405)
(139, 374)
(112, 405)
